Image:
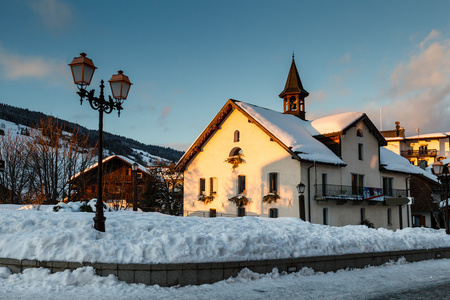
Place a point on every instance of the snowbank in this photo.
(134, 237)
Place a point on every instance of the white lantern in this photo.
(120, 85)
(82, 69)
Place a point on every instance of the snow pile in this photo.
(88, 206)
(133, 237)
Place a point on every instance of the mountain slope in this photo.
(112, 143)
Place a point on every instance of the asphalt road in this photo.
(439, 291)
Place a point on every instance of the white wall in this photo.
(261, 156)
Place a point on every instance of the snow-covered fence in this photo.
(201, 273)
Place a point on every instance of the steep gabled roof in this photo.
(291, 133)
(293, 82)
(109, 158)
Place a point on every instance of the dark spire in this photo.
(293, 82)
(294, 94)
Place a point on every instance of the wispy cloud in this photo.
(420, 88)
(14, 66)
(54, 14)
(434, 34)
(317, 96)
(163, 116)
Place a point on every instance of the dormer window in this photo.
(237, 136)
(359, 132)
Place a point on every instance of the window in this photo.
(387, 186)
(236, 136)
(389, 216)
(241, 211)
(236, 151)
(202, 186)
(361, 151)
(213, 185)
(363, 214)
(325, 215)
(423, 164)
(324, 184)
(241, 184)
(423, 150)
(359, 133)
(357, 184)
(273, 213)
(273, 183)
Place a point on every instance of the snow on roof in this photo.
(428, 136)
(126, 159)
(294, 132)
(397, 138)
(394, 162)
(335, 123)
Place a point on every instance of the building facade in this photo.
(420, 149)
(257, 162)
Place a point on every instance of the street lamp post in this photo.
(82, 71)
(443, 173)
(134, 168)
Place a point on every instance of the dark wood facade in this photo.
(423, 189)
(117, 182)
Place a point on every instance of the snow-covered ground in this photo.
(136, 237)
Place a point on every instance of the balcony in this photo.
(418, 153)
(342, 193)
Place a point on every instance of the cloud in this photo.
(434, 34)
(162, 118)
(420, 88)
(54, 14)
(317, 96)
(345, 59)
(14, 66)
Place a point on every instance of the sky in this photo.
(389, 59)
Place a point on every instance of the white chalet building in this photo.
(250, 160)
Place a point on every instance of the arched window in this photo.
(236, 151)
(237, 136)
(359, 132)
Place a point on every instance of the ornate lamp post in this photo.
(82, 71)
(134, 168)
(443, 173)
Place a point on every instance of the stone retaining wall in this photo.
(201, 273)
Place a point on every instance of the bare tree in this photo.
(17, 176)
(56, 156)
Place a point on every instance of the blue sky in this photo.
(187, 58)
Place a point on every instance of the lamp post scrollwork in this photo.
(83, 70)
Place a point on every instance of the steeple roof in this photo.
(293, 82)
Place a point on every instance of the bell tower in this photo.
(294, 94)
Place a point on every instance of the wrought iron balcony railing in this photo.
(417, 153)
(343, 192)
